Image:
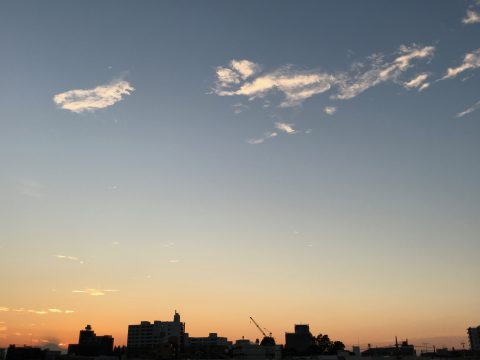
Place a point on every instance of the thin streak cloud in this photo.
(100, 97)
(71, 258)
(266, 136)
(470, 61)
(469, 110)
(95, 292)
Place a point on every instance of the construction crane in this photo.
(267, 340)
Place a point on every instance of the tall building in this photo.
(474, 338)
(90, 344)
(299, 341)
(146, 337)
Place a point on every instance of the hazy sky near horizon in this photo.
(295, 161)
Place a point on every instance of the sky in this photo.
(295, 161)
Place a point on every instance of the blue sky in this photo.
(277, 139)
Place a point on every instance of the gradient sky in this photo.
(295, 161)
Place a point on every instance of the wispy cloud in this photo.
(174, 261)
(299, 85)
(471, 109)
(281, 127)
(34, 311)
(80, 100)
(95, 292)
(381, 71)
(295, 85)
(71, 258)
(470, 61)
(330, 110)
(239, 108)
(288, 128)
(266, 136)
(417, 82)
(472, 17)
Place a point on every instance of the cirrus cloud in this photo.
(80, 100)
(471, 60)
(298, 85)
(94, 292)
(469, 110)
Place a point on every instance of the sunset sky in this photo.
(295, 161)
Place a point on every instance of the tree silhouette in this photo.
(323, 345)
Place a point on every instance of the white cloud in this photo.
(68, 257)
(382, 71)
(280, 126)
(416, 82)
(297, 86)
(227, 76)
(80, 100)
(472, 17)
(38, 312)
(94, 292)
(330, 110)
(470, 61)
(471, 109)
(244, 67)
(424, 86)
(174, 261)
(288, 128)
(34, 311)
(266, 136)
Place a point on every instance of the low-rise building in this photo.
(246, 350)
(90, 344)
(299, 341)
(404, 349)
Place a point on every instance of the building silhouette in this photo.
(147, 339)
(474, 338)
(212, 346)
(90, 344)
(244, 349)
(403, 349)
(299, 341)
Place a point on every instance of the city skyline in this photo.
(298, 162)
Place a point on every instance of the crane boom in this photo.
(258, 327)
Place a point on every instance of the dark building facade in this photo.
(299, 341)
(403, 349)
(90, 344)
(156, 339)
(25, 353)
(474, 338)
